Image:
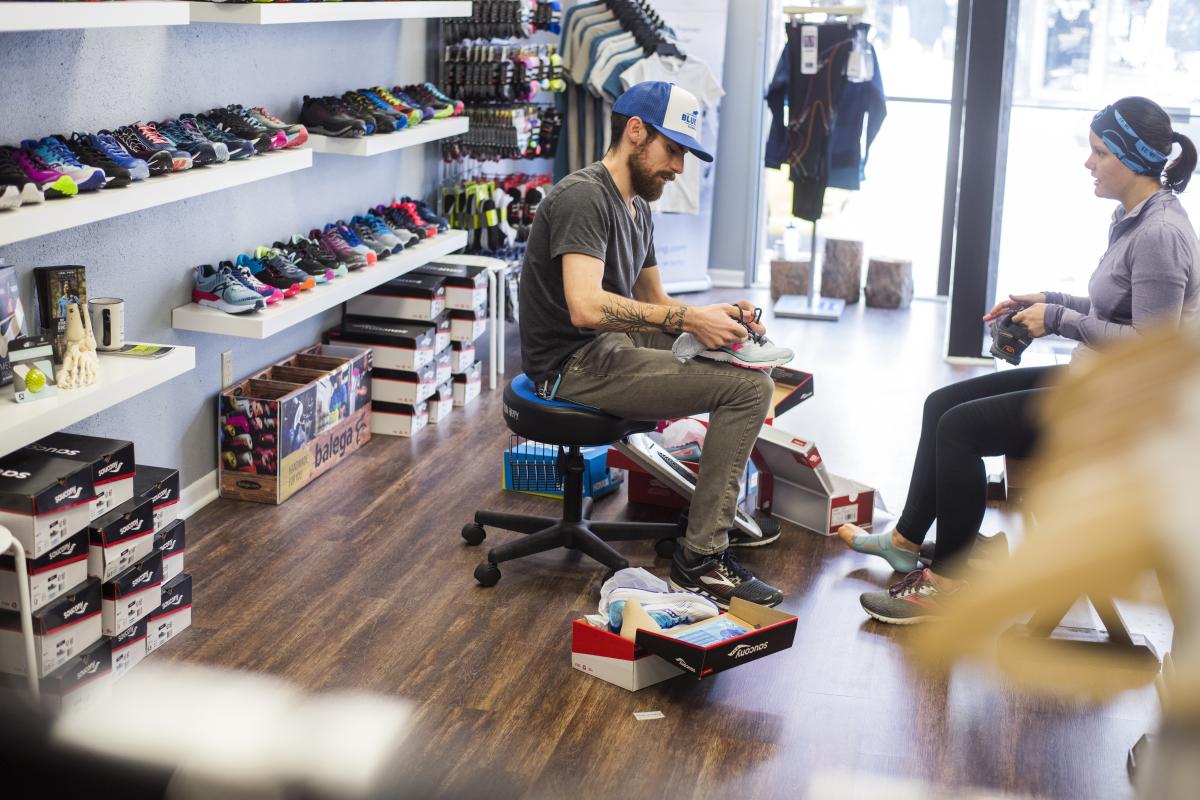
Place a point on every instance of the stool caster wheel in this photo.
(665, 548)
(473, 533)
(487, 573)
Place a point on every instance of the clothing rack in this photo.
(814, 307)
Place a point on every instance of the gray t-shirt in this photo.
(583, 214)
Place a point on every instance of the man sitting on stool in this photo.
(597, 327)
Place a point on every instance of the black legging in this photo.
(962, 423)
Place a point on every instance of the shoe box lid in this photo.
(160, 485)
(457, 345)
(80, 602)
(131, 519)
(772, 631)
(474, 314)
(171, 540)
(68, 552)
(428, 287)
(374, 330)
(794, 459)
(792, 387)
(110, 459)
(36, 483)
(467, 276)
(145, 574)
(470, 375)
(426, 374)
(176, 596)
(401, 409)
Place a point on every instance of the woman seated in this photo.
(1150, 274)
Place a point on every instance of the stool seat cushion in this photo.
(562, 423)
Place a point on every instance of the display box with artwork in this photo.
(12, 318)
(57, 289)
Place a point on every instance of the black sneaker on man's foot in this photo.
(720, 578)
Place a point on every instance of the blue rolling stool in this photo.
(569, 427)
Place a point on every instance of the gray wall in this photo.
(59, 81)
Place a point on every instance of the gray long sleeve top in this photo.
(1150, 273)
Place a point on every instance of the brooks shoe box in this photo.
(419, 297)
(441, 334)
(467, 326)
(132, 595)
(402, 386)
(61, 628)
(159, 485)
(44, 500)
(111, 461)
(172, 543)
(462, 356)
(50, 574)
(120, 539)
(466, 385)
(88, 675)
(396, 345)
(174, 615)
(444, 366)
(399, 419)
(466, 285)
(128, 647)
(441, 402)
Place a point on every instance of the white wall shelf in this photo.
(28, 222)
(121, 378)
(345, 11)
(430, 131)
(292, 311)
(66, 16)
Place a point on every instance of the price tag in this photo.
(808, 50)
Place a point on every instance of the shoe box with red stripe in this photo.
(111, 461)
(411, 296)
(159, 485)
(61, 629)
(49, 575)
(399, 419)
(173, 616)
(404, 386)
(441, 402)
(131, 596)
(441, 333)
(88, 674)
(467, 325)
(395, 345)
(129, 647)
(462, 356)
(443, 366)
(171, 541)
(466, 284)
(467, 384)
(120, 538)
(44, 499)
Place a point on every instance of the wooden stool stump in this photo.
(889, 283)
(841, 273)
(789, 277)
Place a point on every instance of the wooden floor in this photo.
(362, 581)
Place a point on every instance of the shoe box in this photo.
(129, 647)
(399, 419)
(171, 541)
(411, 297)
(462, 356)
(531, 468)
(443, 366)
(395, 344)
(87, 675)
(792, 387)
(159, 485)
(111, 461)
(61, 628)
(401, 386)
(132, 595)
(174, 616)
(466, 284)
(44, 499)
(467, 384)
(468, 325)
(279, 434)
(441, 332)
(804, 491)
(609, 657)
(49, 575)
(120, 538)
(441, 402)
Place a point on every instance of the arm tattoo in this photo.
(622, 316)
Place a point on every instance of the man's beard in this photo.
(647, 184)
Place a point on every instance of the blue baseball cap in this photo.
(672, 110)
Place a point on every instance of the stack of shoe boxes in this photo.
(97, 570)
(467, 309)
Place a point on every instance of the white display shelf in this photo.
(286, 313)
(65, 16)
(345, 11)
(378, 143)
(51, 216)
(121, 378)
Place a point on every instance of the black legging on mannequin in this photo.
(962, 423)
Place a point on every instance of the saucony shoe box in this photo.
(171, 542)
(89, 674)
(443, 366)
(462, 356)
(466, 285)
(61, 628)
(396, 345)
(111, 461)
(44, 500)
(467, 326)
(420, 297)
(174, 615)
(441, 336)
(159, 485)
(132, 595)
(128, 647)
(441, 402)
(398, 419)
(466, 385)
(400, 386)
(50, 574)
(120, 539)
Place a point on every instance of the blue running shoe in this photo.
(59, 158)
(138, 169)
(217, 288)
